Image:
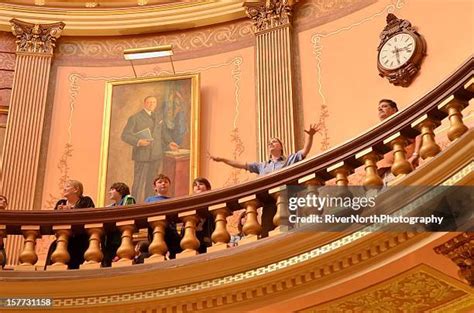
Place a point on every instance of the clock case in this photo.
(404, 75)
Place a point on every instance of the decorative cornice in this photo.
(269, 14)
(36, 38)
(191, 43)
(127, 21)
(460, 250)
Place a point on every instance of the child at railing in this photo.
(161, 186)
(119, 193)
(234, 239)
(205, 225)
(141, 252)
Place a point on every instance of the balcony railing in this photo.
(445, 101)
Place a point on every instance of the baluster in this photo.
(400, 166)
(429, 148)
(60, 257)
(453, 106)
(189, 243)
(469, 86)
(341, 172)
(251, 227)
(3, 234)
(28, 256)
(372, 179)
(281, 198)
(220, 236)
(312, 184)
(93, 255)
(158, 247)
(126, 251)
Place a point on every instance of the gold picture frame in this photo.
(175, 118)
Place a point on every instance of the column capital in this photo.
(36, 38)
(460, 250)
(269, 14)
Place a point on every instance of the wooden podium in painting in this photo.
(176, 167)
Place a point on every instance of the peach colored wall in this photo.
(349, 76)
(227, 96)
(350, 85)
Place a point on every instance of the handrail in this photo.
(344, 153)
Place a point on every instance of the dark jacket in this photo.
(139, 122)
(78, 243)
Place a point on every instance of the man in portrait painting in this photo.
(148, 137)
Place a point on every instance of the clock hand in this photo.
(397, 55)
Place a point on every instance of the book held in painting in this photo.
(144, 134)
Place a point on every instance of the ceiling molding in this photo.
(126, 21)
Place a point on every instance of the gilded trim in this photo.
(124, 21)
(388, 243)
(421, 288)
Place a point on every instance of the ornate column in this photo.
(19, 171)
(274, 67)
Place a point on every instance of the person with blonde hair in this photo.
(78, 243)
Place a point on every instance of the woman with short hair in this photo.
(78, 243)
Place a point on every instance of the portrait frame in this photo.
(124, 98)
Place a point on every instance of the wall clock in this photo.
(400, 52)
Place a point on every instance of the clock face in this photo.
(397, 51)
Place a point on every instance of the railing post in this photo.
(453, 106)
(158, 247)
(372, 179)
(60, 256)
(126, 251)
(280, 194)
(312, 184)
(28, 256)
(429, 148)
(469, 86)
(220, 236)
(251, 227)
(93, 255)
(341, 172)
(189, 243)
(400, 166)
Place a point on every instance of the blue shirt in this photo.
(264, 168)
(155, 199)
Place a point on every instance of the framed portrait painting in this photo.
(151, 127)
